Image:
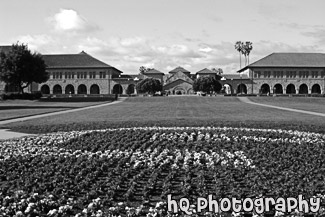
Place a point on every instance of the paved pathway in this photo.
(6, 134)
(246, 100)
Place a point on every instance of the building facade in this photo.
(78, 74)
(288, 73)
(277, 73)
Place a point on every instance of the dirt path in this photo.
(246, 100)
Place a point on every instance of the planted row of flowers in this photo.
(89, 173)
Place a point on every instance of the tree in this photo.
(149, 85)
(144, 69)
(247, 48)
(244, 49)
(219, 71)
(239, 48)
(206, 84)
(20, 67)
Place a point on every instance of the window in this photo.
(303, 74)
(92, 74)
(101, 74)
(72, 75)
(60, 75)
(291, 74)
(65, 75)
(314, 74)
(85, 75)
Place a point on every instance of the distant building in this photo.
(78, 74)
(277, 73)
(288, 73)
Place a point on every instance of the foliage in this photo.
(144, 69)
(80, 173)
(206, 84)
(219, 71)
(130, 89)
(21, 67)
(244, 48)
(149, 85)
(28, 96)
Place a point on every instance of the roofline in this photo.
(293, 66)
(80, 67)
(205, 73)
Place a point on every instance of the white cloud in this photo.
(70, 20)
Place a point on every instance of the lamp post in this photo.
(136, 79)
(241, 84)
(120, 86)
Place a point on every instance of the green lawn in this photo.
(174, 111)
(315, 104)
(20, 108)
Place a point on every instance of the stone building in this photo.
(78, 74)
(236, 83)
(288, 73)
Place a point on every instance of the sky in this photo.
(165, 34)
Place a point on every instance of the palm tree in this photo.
(239, 48)
(247, 48)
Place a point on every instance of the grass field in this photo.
(20, 108)
(243, 151)
(315, 104)
(178, 111)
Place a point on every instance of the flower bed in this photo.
(130, 171)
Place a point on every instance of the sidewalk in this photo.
(246, 100)
(7, 134)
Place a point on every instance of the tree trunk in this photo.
(239, 60)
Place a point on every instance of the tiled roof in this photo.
(153, 71)
(234, 76)
(289, 60)
(81, 60)
(205, 71)
(177, 69)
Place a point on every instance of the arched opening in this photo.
(190, 91)
(241, 89)
(57, 89)
(316, 89)
(303, 89)
(179, 91)
(291, 89)
(82, 89)
(69, 89)
(130, 89)
(10, 88)
(265, 89)
(277, 89)
(45, 89)
(94, 89)
(227, 89)
(117, 89)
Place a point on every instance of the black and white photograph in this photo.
(162, 108)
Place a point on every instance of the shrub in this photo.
(24, 96)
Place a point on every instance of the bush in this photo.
(24, 96)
